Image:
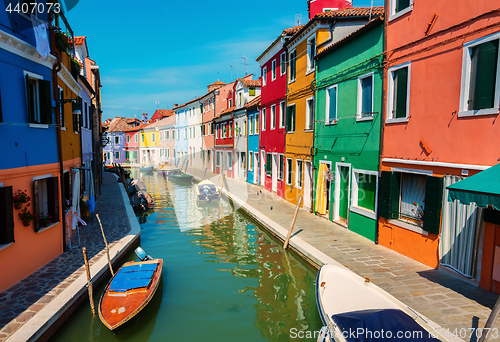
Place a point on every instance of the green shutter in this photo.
(36, 207)
(389, 190)
(6, 216)
(45, 102)
(400, 92)
(289, 119)
(484, 59)
(433, 204)
(269, 164)
(293, 118)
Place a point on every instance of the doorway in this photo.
(342, 193)
(256, 168)
(307, 185)
(262, 169)
(274, 173)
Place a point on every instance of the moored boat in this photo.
(207, 192)
(354, 309)
(130, 291)
(180, 178)
(146, 168)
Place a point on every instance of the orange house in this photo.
(442, 91)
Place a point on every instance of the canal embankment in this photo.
(457, 307)
(35, 307)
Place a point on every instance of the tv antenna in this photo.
(297, 19)
(157, 103)
(245, 64)
(231, 71)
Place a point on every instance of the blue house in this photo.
(28, 136)
(253, 108)
(182, 114)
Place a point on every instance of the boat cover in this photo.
(380, 325)
(132, 277)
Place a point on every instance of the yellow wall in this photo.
(148, 138)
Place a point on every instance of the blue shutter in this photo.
(366, 95)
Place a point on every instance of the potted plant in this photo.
(26, 216)
(63, 42)
(44, 220)
(19, 198)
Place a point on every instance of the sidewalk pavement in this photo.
(30, 307)
(453, 304)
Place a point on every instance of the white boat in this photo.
(207, 192)
(354, 309)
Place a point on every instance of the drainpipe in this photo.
(332, 26)
(55, 70)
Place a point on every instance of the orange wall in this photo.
(30, 250)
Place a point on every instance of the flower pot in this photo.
(26, 224)
(17, 205)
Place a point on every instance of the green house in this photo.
(349, 77)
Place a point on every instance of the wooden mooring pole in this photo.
(486, 331)
(89, 280)
(293, 223)
(107, 248)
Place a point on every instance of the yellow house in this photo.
(149, 145)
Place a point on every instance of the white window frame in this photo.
(273, 116)
(393, 15)
(282, 70)
(295, 119)
(217, 160)
(263, 120)
(250, 161)
(274, 71)
(309, 119)
(354, 194)
(286, 168)
(282, 114)
(310, 59)
(178, 134)
(217, 131)
(291, 80)
(230, 164)
(136, 136)
(327, 106)
(185, 133)
(359, 116)
(250, 126)
(264, 76)
(465, 85)
(297, 173)
(390, 93)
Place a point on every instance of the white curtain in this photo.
(75, 204)
(412, 191)
(459, 233)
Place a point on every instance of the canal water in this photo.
(224, 278)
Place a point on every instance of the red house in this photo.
(272, 116)
(161, 114)
(317, 6)
(132, 143)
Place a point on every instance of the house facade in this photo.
(115, 136)
(195, 119)
(149, 145)
(349, 81)
(454, 58)
(252, 113)
(167, 141)
(132, 136)
(224, 141)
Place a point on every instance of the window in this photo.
(173, 134)
(239, 98)
(168, 153)
(230, 128)
(212, 125)
(365, 96)
(291, 65)
(364, 193)
(153, 137)
(61, 108)
(6, 216)
(256, 124)
(167, 135)
(264, 76)
(230, 103)
(229, 160)
(77, 107)
(178, 134)
(298, 173)
(250, 161)
(290, 118)
(400, 7)
(309, 113)
(236, 128)
(217, 132)
(217, 159)
(117, 140)
(251, 91)
(263, 119)
(224, 126)
(38, 98)
(282, 114)
(117, 155)
(46, 198)
(185, 133)
(273, 68)
(250, 126)
(311, 53)
(480, 74)
(142, 137)
(269, 164)
(273, 116)
(244, 127)
(136, 137)
(289, 171)
(414, 199)
(398, 92)
(209, 104)
(281, 166)
(161, 135)
(331, 105)
(283, 64)
(128, 138)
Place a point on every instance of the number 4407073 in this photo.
(34, 7)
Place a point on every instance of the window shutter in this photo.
(36, 208)
(6, 216)
(45, 102)
(53, 197)
(389, 195)
(31, 115)
(401, 89)
(268, 164)
(433, 204)
(483, 75)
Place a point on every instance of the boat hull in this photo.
(180, 178)
(119, 309)
(146, 169)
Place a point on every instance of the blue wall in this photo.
(253, 146)
(181, 144)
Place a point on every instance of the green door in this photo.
(344, 192)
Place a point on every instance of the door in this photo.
(344, 193)
(274, 173)
(262, 169)
(255, 168)
(307, 185)
(236, 167)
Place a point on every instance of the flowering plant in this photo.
(44, 220)
(78, 63)
(64, 40)
(26, 216)
(419, 212)
(329, 175)
(20, 198)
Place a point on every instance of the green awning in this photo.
(482, 188)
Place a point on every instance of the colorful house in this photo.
(252, 112)
(195, 141)
(273, 64)
(183, 130)
(149, 144)
(30, 162)
(224, 140)
(167, 140)
(349, 79)
(443, 87)
(115, 135)
(132, 136)
(161, 114)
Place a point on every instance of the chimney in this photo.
(144, 118)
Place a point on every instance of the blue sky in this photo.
(172, 51)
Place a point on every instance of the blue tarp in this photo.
(132, 277)
(380, 325)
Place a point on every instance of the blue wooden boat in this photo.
(146, 169)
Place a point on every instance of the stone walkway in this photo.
(450, 302)
(19, 303)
